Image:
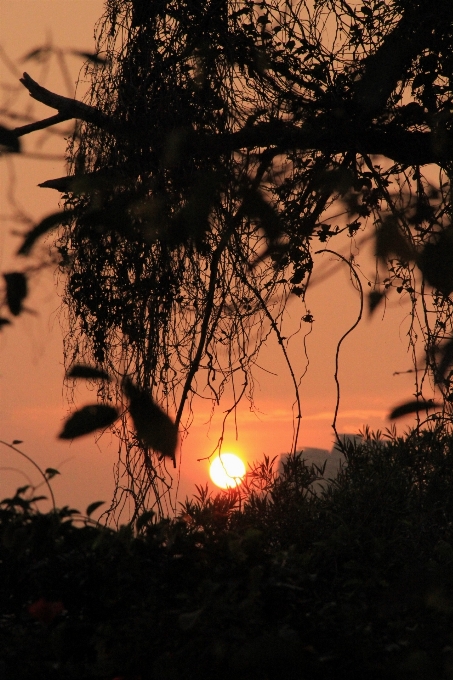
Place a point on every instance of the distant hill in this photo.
(332, 458)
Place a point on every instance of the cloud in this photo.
(357, 414)
(285, 415)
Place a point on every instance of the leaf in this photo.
(48, 223)
(4, 322)
(88, 419)
(16, 291)
(191, 222)
(153, 426)
(9, 140)
(94, 58)
(93, 506)
(446, 353)
(412, 407)
(390, 240)
(87, 372)
(336, 181)
(256, 207)
(17, 441)
(145, 518)
(374, 300)
(436, 262)
(51, 472)
(39, 53)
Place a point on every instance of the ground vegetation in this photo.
(353, 581)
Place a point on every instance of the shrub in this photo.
(353, 581)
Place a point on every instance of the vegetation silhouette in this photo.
(354, 580)
(209, 163)
(210, 160)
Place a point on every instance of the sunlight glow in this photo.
(227, 470)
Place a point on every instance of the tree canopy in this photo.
(207, 159)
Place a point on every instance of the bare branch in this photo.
(105, 178)
(62, 184)
(327, 135)
(67, 108)
(40, 124)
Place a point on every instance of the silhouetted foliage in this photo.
(215, 142)
(354, 580)
(16, 291)
(87, 372)
(88, 419)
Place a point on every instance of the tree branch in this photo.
(67, 108)
(62, 184)
(391, 141)
(40, 124)
(105, 178)
(328, 135)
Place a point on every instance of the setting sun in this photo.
(227, 470)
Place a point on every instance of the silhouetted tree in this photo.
(215, 140)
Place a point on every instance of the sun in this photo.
(227, 470)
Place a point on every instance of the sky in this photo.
(33, 400)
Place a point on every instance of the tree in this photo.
(216, 139)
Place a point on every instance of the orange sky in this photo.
(33, 401)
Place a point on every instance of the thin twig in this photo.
(344, 336)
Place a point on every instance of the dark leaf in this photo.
(87, 372)
(436, 262)
(94, 58)
(35, 499)
(39, 54)
(256, 207)
(88, 419)
(4, 322)
(412, 407)
(298, 276)
(338, 181)
(391, 241)
(16, 291)
(145, 518)
(51, 472)
(153, 426)
(16, 501)
(446, 360)
(297, 290)
(374, 300)
(17, 441)
(93, 506)
(9, 140)
(48, 223)
(192, 221)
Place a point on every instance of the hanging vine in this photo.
(221, 143)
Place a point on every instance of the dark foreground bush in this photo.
(355, 581)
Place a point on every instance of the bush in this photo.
(355, 580)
